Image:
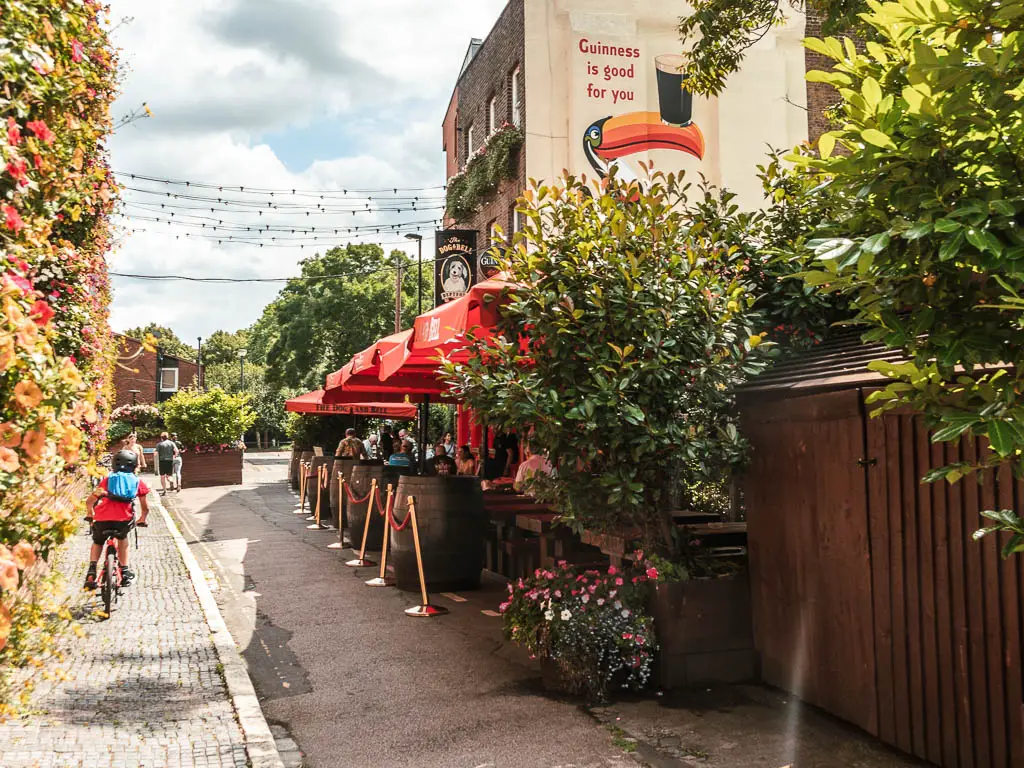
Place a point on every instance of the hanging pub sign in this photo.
(454, 264)
(487, 267)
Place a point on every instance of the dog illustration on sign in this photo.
(612, 138)
(454, 278)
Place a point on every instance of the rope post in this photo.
(361, 561)
(321, 475)
(426, 610)
(341, 504)
(383, 580)
(302, 489)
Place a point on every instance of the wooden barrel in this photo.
(312, 491)
(363, 474)
(453, 527)
(293, 468)
(307, 459)
(344, 470)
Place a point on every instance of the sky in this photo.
(319, 96)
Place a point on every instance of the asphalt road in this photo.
(354, 680)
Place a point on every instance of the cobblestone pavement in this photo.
(140, 689)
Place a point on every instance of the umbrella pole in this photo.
(424, 414)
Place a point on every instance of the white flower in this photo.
(625, 614)
(566, 615)
(548, 615)
(586, 598)
(617, 605)
(600, 601)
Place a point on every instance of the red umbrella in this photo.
(313, 402)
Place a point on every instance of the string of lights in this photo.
(271, 191)
(193, 220)
(267, 204)
(274, 241)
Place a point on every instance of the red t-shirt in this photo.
(108, 509)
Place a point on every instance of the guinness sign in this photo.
(454, 264)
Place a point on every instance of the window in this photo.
(470, 146)
(517, 117)
(168, 379)
(495, 236)
(517, 220)
(492, 115)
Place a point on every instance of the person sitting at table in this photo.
(466, 464)
(402, 457)
(441, 464)
(535, 462)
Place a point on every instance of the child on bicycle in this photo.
(111, 508)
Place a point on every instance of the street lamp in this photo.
(134, 393)
(419, 262)
(241, 369)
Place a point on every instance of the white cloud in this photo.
(220, 76)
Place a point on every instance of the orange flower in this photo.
(10, 436)
(27, 394)
(69, 445)
(8, 580)
(6, 352)
(28, 333)
(5, 625)
(24, 555)
(32, 444)
(69, 374)
(9, 461)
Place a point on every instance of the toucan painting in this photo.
(612, 138)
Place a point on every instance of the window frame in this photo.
(161, 379)
(492, 114)
(469, 142)
(517, 116)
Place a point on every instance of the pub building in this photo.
(604, 85)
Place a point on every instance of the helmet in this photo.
(125, 461)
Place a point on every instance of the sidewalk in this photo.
(143, 688)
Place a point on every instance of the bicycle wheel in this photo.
(109, 579)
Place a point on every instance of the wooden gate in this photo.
(870, 598)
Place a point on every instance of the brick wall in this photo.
(820, 96)
(490, 75)
(141, 373)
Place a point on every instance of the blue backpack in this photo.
(122, 486)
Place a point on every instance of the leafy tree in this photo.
(343, 302)
(166, 339)
(208, 418)
(619, 349)
(222, 347)
(718, 33)
(266, 401)
(924, 226)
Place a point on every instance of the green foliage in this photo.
(718, 33)
(210, 418)
(166, 339)
(638, 320)
(222, 347)
(493, 163)
(308, 431)
(316, 325)
(927, 199)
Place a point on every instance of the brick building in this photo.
(156, 375)
(598, 74)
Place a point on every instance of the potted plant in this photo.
(210, 425)
(589, 630)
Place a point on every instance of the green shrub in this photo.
(211, 418)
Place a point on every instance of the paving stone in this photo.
(141, 688)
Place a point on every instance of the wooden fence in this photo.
(870, 598)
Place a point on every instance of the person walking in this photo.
(131, 443)
(176, 464)
(166, 450)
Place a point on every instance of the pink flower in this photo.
(37, 161)
(76, 50)
(652, 573)
(612, 570)
(40, 129)
(17, 169)
(13, 132)
(618, 582)
(41, 312)
(12, 218)
(627, 636)
(558, 593)
(592, 588)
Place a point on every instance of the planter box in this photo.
(202, 470)
(705, 632)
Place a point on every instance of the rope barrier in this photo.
(352, 499)
(382, 579)
(361, 561)
(425, 610)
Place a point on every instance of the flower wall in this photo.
(58, 72)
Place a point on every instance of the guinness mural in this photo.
(454, 264)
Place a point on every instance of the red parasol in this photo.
(313, 402)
